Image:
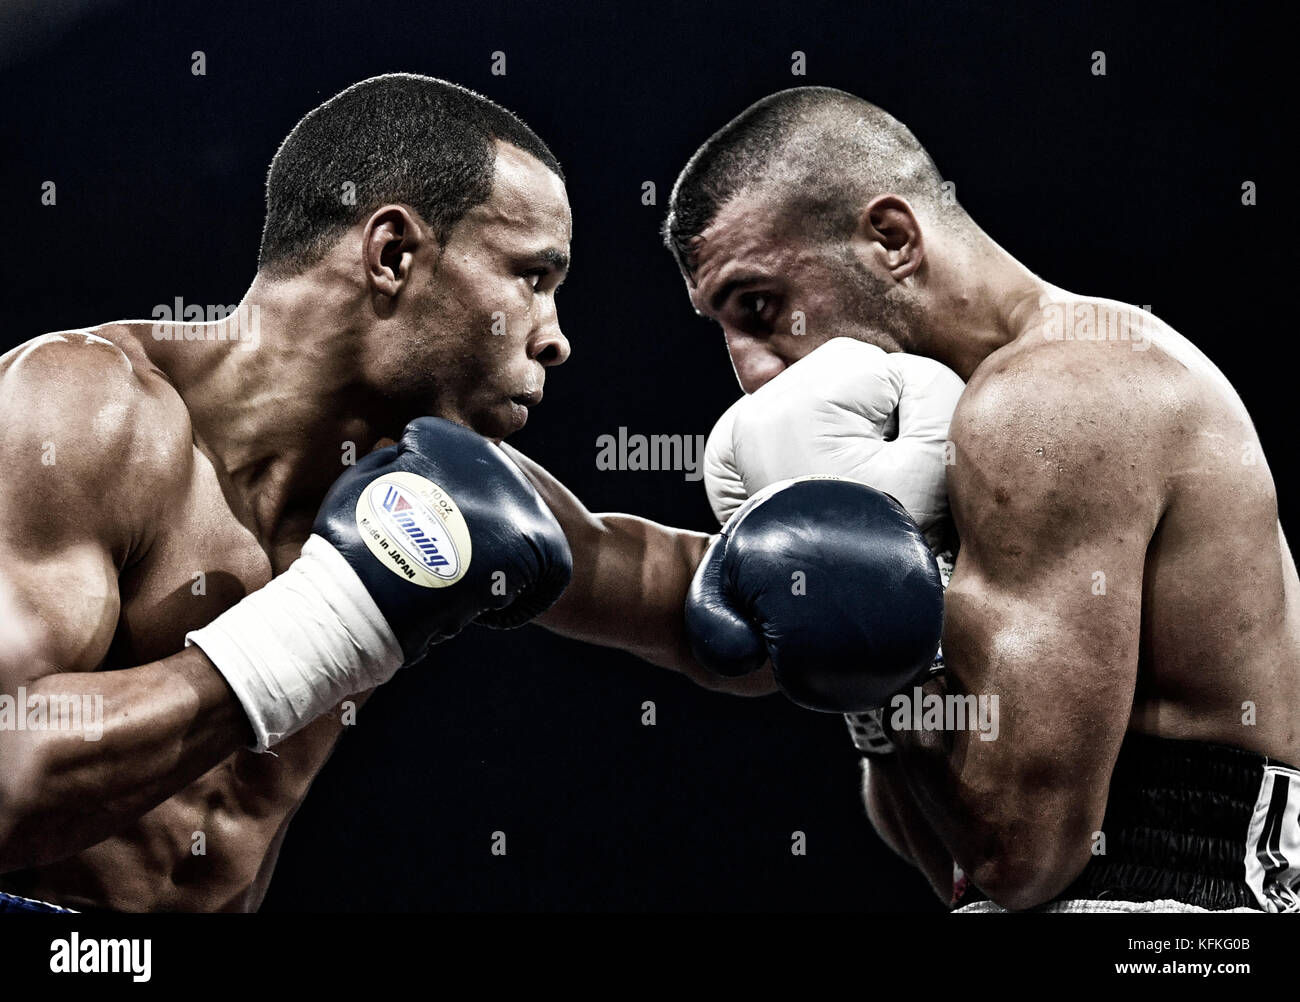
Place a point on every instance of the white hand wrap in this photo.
(294, 649)
(849, 409)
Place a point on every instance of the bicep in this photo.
(89, 452)
(1044, 608)
(59, 610)
(1060, 656)
(1052, 625)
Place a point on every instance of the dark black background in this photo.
(1127, 186)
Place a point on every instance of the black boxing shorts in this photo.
(1189, 826)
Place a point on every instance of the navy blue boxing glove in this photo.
(443, 530)
(829, 579)
(409, 546)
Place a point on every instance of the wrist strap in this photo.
(295, 648)
(867, 730)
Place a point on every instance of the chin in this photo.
(500, 422)
(518, 417)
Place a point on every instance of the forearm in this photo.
(629, 586)
(150, 732)
(1008, 826)
(926, 766)
(898, 820)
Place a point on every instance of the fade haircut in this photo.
(824, 152)
(400, 138)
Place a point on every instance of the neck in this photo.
(990, 302)
(276, 391)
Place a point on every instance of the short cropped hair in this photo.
(824, 152)
(400, 138)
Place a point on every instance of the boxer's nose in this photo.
(755, 363)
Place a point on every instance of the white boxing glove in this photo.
(849, 409)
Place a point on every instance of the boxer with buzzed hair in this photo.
(184, 538)
(1123, 584)
(186, 541)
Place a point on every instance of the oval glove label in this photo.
(414, 528)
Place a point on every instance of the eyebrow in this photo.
(719, 298)
(555, 258)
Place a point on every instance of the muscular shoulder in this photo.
(1118, 392)
(1063, 436)
(94, 439)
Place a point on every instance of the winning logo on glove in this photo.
(415, 529)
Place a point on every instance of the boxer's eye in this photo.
(755, 307)
(534, 276)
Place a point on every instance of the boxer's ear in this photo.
(890, 228)
(389, 242)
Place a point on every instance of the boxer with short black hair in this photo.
(1123, 583)
(185, 536)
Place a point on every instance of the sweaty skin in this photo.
(102, 580)
(1122, 569)
(629, 585)
(1122, 566)
(139, 467)
(164, 459)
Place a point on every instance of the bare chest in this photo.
(201, 561)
